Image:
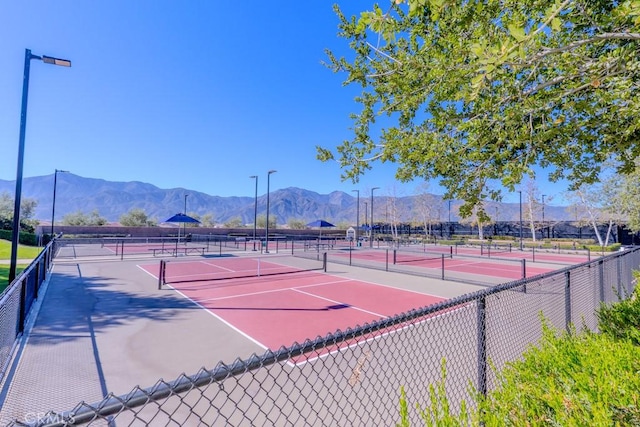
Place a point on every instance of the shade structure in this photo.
(320, 223)
(181, 218)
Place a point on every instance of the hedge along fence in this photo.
(23, 238)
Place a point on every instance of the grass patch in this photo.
(24, 252)
(4, 275)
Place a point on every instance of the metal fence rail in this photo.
(16, 302)
(353, 378)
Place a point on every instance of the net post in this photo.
(324, 262)
(121, 250)
(451, 252)
(395, 257)
(588, 254)
(386, 260)
(533, 254)
(524, 268)
(442, 266)
(161, 274)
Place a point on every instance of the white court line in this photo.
(249, 337)
(358, 343)
(339, 302)
(263, 292)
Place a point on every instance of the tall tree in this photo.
(482, 91)
(137, 217)
(81, 218)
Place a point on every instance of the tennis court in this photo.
(504, 269)
(274, 303)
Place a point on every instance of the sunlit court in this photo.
(278, 304)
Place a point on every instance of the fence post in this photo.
(350, 251)
(23, 303)
(567, 300)
(619, 277)
(601, 279)
(482, 346)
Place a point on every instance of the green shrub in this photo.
(587, 379)
(621, 320)
(29, 239)
(568, 380)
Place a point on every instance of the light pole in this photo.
(255, 211)
(543, 227)
(520, 192)
(53, 205)
(366, 210)
(357, 213)
(28, 56)
(371, 227)
(266, 234)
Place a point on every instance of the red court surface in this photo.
(495, 268)
(502, 252)
(278, 310)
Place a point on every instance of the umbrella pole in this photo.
(178, 240)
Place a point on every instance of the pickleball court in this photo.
(279, 305)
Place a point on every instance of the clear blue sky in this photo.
(196, 94)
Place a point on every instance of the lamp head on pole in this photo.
(53, 61)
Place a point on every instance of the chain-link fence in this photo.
(16, 302)
(354, 377)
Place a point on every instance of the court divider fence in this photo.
(16, 302)
(354, 377)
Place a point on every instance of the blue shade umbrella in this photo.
(181, 218)
(320, 223)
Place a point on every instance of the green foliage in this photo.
(439, 412)
(82, 219)
(27, 209)
(479, 93)
(24, 238)
(137, 218)
(621, 321)
(261, 221)
(296, 224)
(207, 220)
(234, 223)
(569, 379)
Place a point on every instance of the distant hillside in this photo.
(111, 199)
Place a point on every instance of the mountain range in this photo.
(112, 199)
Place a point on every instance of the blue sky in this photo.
(198, 95)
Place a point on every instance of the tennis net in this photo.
(232, 267)
(400, 257)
